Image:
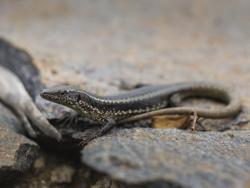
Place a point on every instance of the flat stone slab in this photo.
(173, 157)
(17, 153)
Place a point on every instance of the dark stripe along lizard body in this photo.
(152, 100)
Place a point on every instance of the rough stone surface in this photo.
(17, 154)
(9, 121)
(57, 171)
(62, 174)
(139, 156)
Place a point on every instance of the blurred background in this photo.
(108, 41)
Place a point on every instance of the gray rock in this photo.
(20, 63)
(105, 183)
(9, 120)
(164, 157)
(17, 153)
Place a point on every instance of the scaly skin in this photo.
(146, 99)
(145, 102)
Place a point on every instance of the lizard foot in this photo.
(69, 119)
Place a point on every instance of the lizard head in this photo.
(64, 95)
(81, 101)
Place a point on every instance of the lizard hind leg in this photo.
(194, 121)
(176, 100)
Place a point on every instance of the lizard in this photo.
(144, 102)
(14, 95)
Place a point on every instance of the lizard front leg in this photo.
(103, 130)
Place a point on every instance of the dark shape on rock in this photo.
(17, 153)
(20, 63)
(166, 157)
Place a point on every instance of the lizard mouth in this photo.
(48, 95)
